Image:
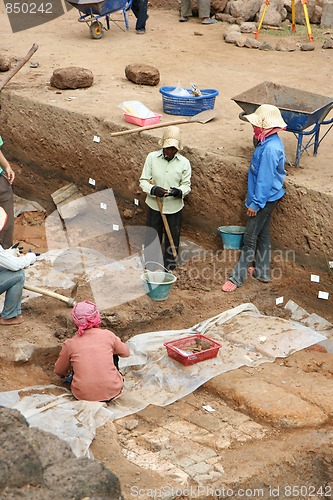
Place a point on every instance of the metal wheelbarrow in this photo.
(299, 109)
(92, 11)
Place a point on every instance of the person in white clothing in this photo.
(12, 279)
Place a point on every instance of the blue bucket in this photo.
(232, 237)
(158, 284)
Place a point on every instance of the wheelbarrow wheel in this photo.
(96, 30)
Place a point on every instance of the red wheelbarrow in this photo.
(299, 109)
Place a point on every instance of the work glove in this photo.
(31, 258)
(37, 254)
(158, 191)
(176, 193)
(16, 250)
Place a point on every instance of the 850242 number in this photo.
(28, 8)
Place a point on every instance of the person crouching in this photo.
(90, 354)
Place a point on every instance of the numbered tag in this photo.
(97, 138)
(279, 300)
(92, 181)
(136, 202)
(315, 278)
(323, 295)
(115, 227)
(103, 206)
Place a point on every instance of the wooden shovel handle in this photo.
(68, 300)
(149, 127)
(167, 227)
(18, 66)
(165, 222)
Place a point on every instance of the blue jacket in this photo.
(266, 173)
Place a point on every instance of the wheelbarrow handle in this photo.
(242, 116)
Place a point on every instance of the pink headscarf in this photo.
(262, 133)
(86, 315)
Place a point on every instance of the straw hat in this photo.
(266, 116)
(171, 138)
(3, 218)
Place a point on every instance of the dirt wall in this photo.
(59, 144)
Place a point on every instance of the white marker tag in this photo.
(330, 263)
(315, 277)
(97, 138)
(92, 181)
(279, 300)
(115, 227)
(323, 295)
(104, 206)
(136, 202)
(208, 408)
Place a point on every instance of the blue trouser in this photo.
(139, 8)
(256, 247)
(12, 283)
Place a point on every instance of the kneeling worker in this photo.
(91, 355)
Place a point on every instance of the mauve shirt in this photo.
(91, 356)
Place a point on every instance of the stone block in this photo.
(142, 74)
(71, 78)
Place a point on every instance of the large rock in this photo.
(327, 15)
(218, 5)
(246, 9)
(36, 464)
(299, 10)
(142, 74)
(275, 13)
(72, 78)
(317, 14)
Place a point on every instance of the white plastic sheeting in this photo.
(151, 377)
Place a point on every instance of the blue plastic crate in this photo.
(187, 105)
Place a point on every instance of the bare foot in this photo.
(229, 287)
(12, 321)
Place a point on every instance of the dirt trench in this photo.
(256, 455)
(70, 155)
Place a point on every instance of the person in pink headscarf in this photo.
(90, 354)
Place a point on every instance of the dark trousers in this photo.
(256, 247)
(139, 8)
(7, 203)
(156, 231)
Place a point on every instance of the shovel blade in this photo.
(204, 116)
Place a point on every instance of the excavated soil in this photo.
(49, 139)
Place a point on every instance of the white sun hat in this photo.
(266, 116)
(3, 218)
(171, 138)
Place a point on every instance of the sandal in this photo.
(209, 21)
(229, 286)
(183, 19)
